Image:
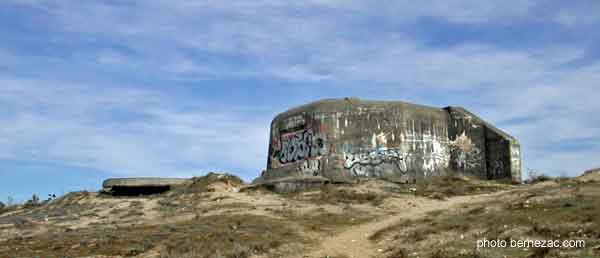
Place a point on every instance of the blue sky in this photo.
(93, 89)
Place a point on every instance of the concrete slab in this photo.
(143, 182)
(292, 183)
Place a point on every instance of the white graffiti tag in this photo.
(465, 152)
(361, 163)
(301, 145)
(310, 167)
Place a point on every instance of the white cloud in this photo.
(62, 126)
(337, 42)
(276, 36)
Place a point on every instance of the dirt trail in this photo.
(355, 242)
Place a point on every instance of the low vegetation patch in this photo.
(447, 186)
(206, 183)
(339, 194)
(319, 220)
(572, 214)
(229, 236)
(334, 194)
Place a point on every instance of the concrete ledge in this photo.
(291, 183)
(288, 179)
(143, 182)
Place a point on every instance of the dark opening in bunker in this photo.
(139, 190)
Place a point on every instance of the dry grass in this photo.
(339, 194)
(322, 221)
(231, 236)
(7, 209)
(195, 221)
(447, 186)
(571, 215)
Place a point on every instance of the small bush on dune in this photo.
(535, 176)
(4, 208)
(453, 184)
(33, 202)
(203, 184)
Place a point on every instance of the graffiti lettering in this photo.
(515, 158)
(467, 159)
(362, 163)
(294, 122)
(310, 167)
(466, 154)
(301, 145)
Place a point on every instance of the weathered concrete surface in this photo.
(141, 185)
(291, 183)
(591, 171)
(592, 175)
(343, 140)
(499, 153)
(143, 182)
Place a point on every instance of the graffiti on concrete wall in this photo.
(497, 169)
(293, 140)
(397, 142)
(294, 122)
(466, 154)
(300, 145)
(310, 167)
(426, 153)
(365, 163)
(370, 162)
(515, 160)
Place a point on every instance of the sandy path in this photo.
(355, 242)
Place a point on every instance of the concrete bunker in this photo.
(139, 190)
(140, 186)
(342, 140)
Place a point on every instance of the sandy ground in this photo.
(374, 209)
